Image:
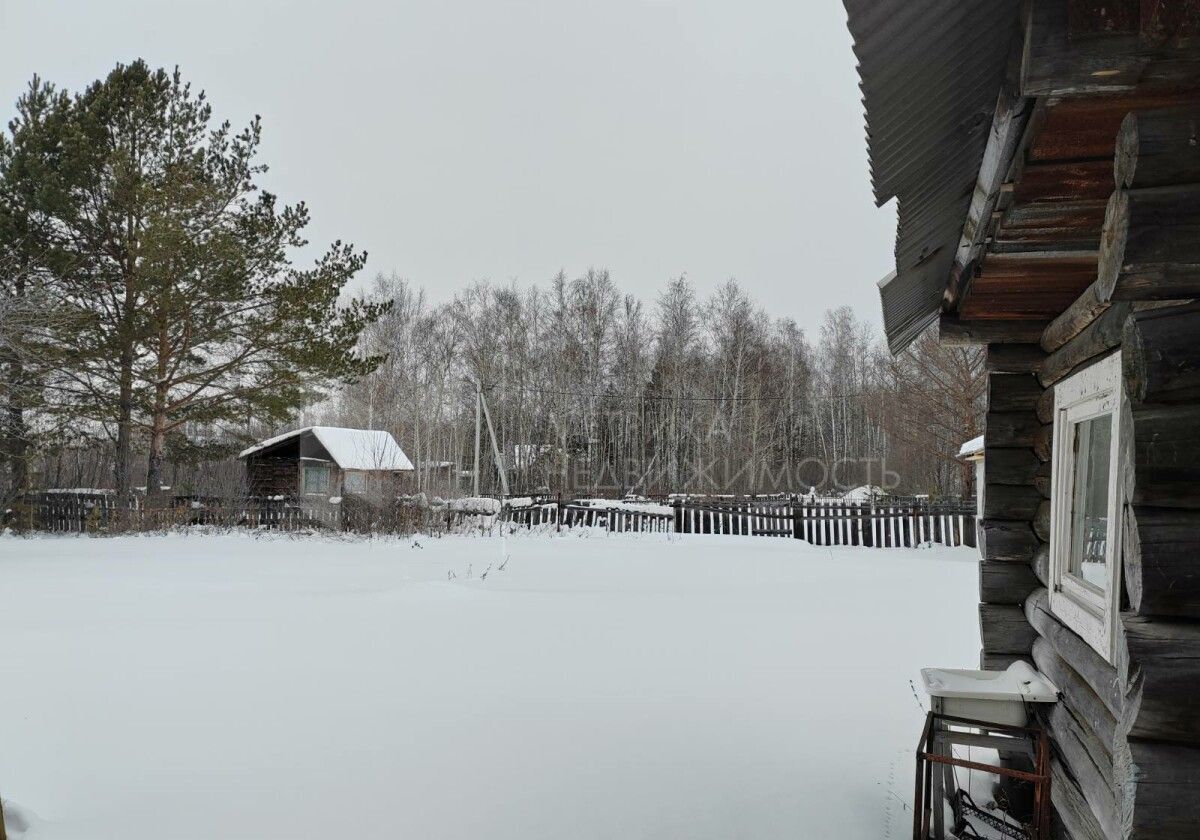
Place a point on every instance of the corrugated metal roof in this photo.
(930, 73)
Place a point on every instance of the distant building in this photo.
(325, 461)
(972, 453)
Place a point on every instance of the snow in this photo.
(971, 448)
(1019, 680)
(618, 504)
(864, 493)
(350, 449)
(624, 686)
(476, 504)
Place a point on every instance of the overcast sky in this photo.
(478, 139)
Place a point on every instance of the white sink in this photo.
(992, 696)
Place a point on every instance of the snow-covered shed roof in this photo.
(350, 449)
(972, 450)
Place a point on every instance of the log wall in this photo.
(1008, 540)
(1126, 734)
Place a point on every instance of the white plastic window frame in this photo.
(1095, 391)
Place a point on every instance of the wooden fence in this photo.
(575, 514)
(888, 522)
(95, 512)
(880, 523)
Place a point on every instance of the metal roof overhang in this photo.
(930, 72)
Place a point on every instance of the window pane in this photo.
(316, 478)
(1089, 501)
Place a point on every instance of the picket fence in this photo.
(880, 523)
(887, 522)
(884, 522)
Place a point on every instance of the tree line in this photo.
(147, 283)
(153, 321)
(592, 390)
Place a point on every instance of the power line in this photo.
(670, 398)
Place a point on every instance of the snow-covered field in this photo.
(624, 686)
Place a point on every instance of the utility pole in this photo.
(478, 412)
(482, 415)
(487, 416)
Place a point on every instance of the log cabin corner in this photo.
(1045, 160)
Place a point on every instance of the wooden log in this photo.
(1158, 148)
(989, 661)
(1165, 454)
(1043, 477)
(956, 332)
(1010, 428)
(1150, 245)
(1030, 286)
(1058, 60)
(1072, 817)
(1091, 667)
(1075, 47)
(1005, 583)
(1166, 22)
(1162, 561)
(1041, 520)
(1101, 335)
(1010, 466)
(1062, 181)
(1155, 786)
(1045, 406)
(1086, 308)
(1041, 564)
(1013, 358)
(1043, 442)
(1071, 225)
(1013, 392)
(1007, 541)
(1159, 665)
(1087, 756)
(1077, 695)
(1008, 501)
(1160, 356)
(1003, 629)
(1093, 774)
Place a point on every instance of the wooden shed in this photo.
(324, 462)
(1045, 161)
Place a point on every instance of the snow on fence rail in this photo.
(884, 522)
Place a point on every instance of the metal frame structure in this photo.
(937, 736)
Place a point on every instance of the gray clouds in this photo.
(470, 139)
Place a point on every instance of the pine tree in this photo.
(194, 309)
(30, 323)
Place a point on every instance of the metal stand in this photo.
(934, 775)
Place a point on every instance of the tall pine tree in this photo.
(190, 306)
(32, 327)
